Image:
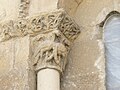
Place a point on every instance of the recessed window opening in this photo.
(112, 51)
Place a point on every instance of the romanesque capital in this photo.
(52, 34)
(50, 51)
(52, 45)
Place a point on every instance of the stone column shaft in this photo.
(48, 79)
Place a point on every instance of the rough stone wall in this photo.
(86, 66)
(37, 6)
(86, 62)
(14, 64)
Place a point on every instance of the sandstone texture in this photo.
(85, 64)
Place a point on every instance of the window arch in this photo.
(112, 50)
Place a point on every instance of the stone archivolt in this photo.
(52, 32)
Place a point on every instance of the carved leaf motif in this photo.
(24, 8)
(69, 28)
(53, 33)
(38, 24)
(49, 52)
(43, 23)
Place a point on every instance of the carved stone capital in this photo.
(52, 33)
(51, 46)
(50, 51)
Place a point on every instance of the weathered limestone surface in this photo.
(9, 9)
(86, 67)
(39, 41)
(14, 56)
(86, 63)
(37, 6)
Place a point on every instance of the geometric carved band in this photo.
(52, 34)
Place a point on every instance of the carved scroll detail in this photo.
(50, 51)
(24, 8)
(42, 23)
(52, 34)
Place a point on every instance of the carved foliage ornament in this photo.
(24, 8)
(50, 51)
(52, 34)
(42, 23)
